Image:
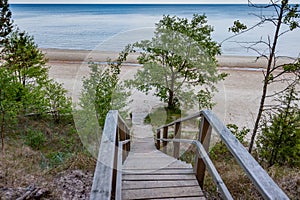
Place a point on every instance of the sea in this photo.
(108, 27)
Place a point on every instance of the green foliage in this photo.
(239, 134)
(35, 139)
(6, 24)
(25, 61)
(102, 91)
(27, 67)
(292, 16)
(8, 106)
(279, 142)
(57, 102)
(237, 27)
(24, 84)
(180, 56)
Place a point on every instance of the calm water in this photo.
(110, 27)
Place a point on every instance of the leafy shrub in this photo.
(35, 139)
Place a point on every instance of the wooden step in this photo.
(150, 174)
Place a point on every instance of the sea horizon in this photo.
(110, 27)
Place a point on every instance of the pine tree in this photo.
(6, 23)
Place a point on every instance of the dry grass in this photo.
(241, 186)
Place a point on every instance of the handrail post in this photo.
(122, 135)
(204, 137)
(127, 145)
(165, 136)
(115, 165)
(177, 135)
(158, 139)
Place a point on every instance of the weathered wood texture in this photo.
(107, 178)
(151, 174)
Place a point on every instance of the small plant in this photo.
(239, 134)
(35, 139)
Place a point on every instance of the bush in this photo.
(279, 142)
(35, 139)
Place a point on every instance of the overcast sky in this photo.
(143, 1)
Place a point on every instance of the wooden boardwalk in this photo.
(151, 174)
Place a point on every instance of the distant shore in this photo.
(66, 55)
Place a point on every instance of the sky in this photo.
(145, 1)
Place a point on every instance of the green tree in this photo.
(181, 55)
(8, 105)
(25, 87)
(6, 24)
(57, 103)
(285, 18)
(279, 142)
(103, 90)
(24, 59)
(27, 65)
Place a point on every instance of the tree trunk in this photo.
(2, 131)
(267, 76)
(171, 99)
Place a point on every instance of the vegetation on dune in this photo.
(181, 55)
(38, 136)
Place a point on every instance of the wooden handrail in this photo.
(114, 148)
(263, 182)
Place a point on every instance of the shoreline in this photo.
(79, 56)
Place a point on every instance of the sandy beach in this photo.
(237, 100)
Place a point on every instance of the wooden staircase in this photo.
(129, 166)
(151, 174)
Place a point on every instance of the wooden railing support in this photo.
(158, 141)
(204, 138)
(177, 135)
(165, 135)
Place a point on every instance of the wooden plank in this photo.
(150, 164)
(158, 177)
(157, 184)
(153, 193)
(184, 198)
(159, 171)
